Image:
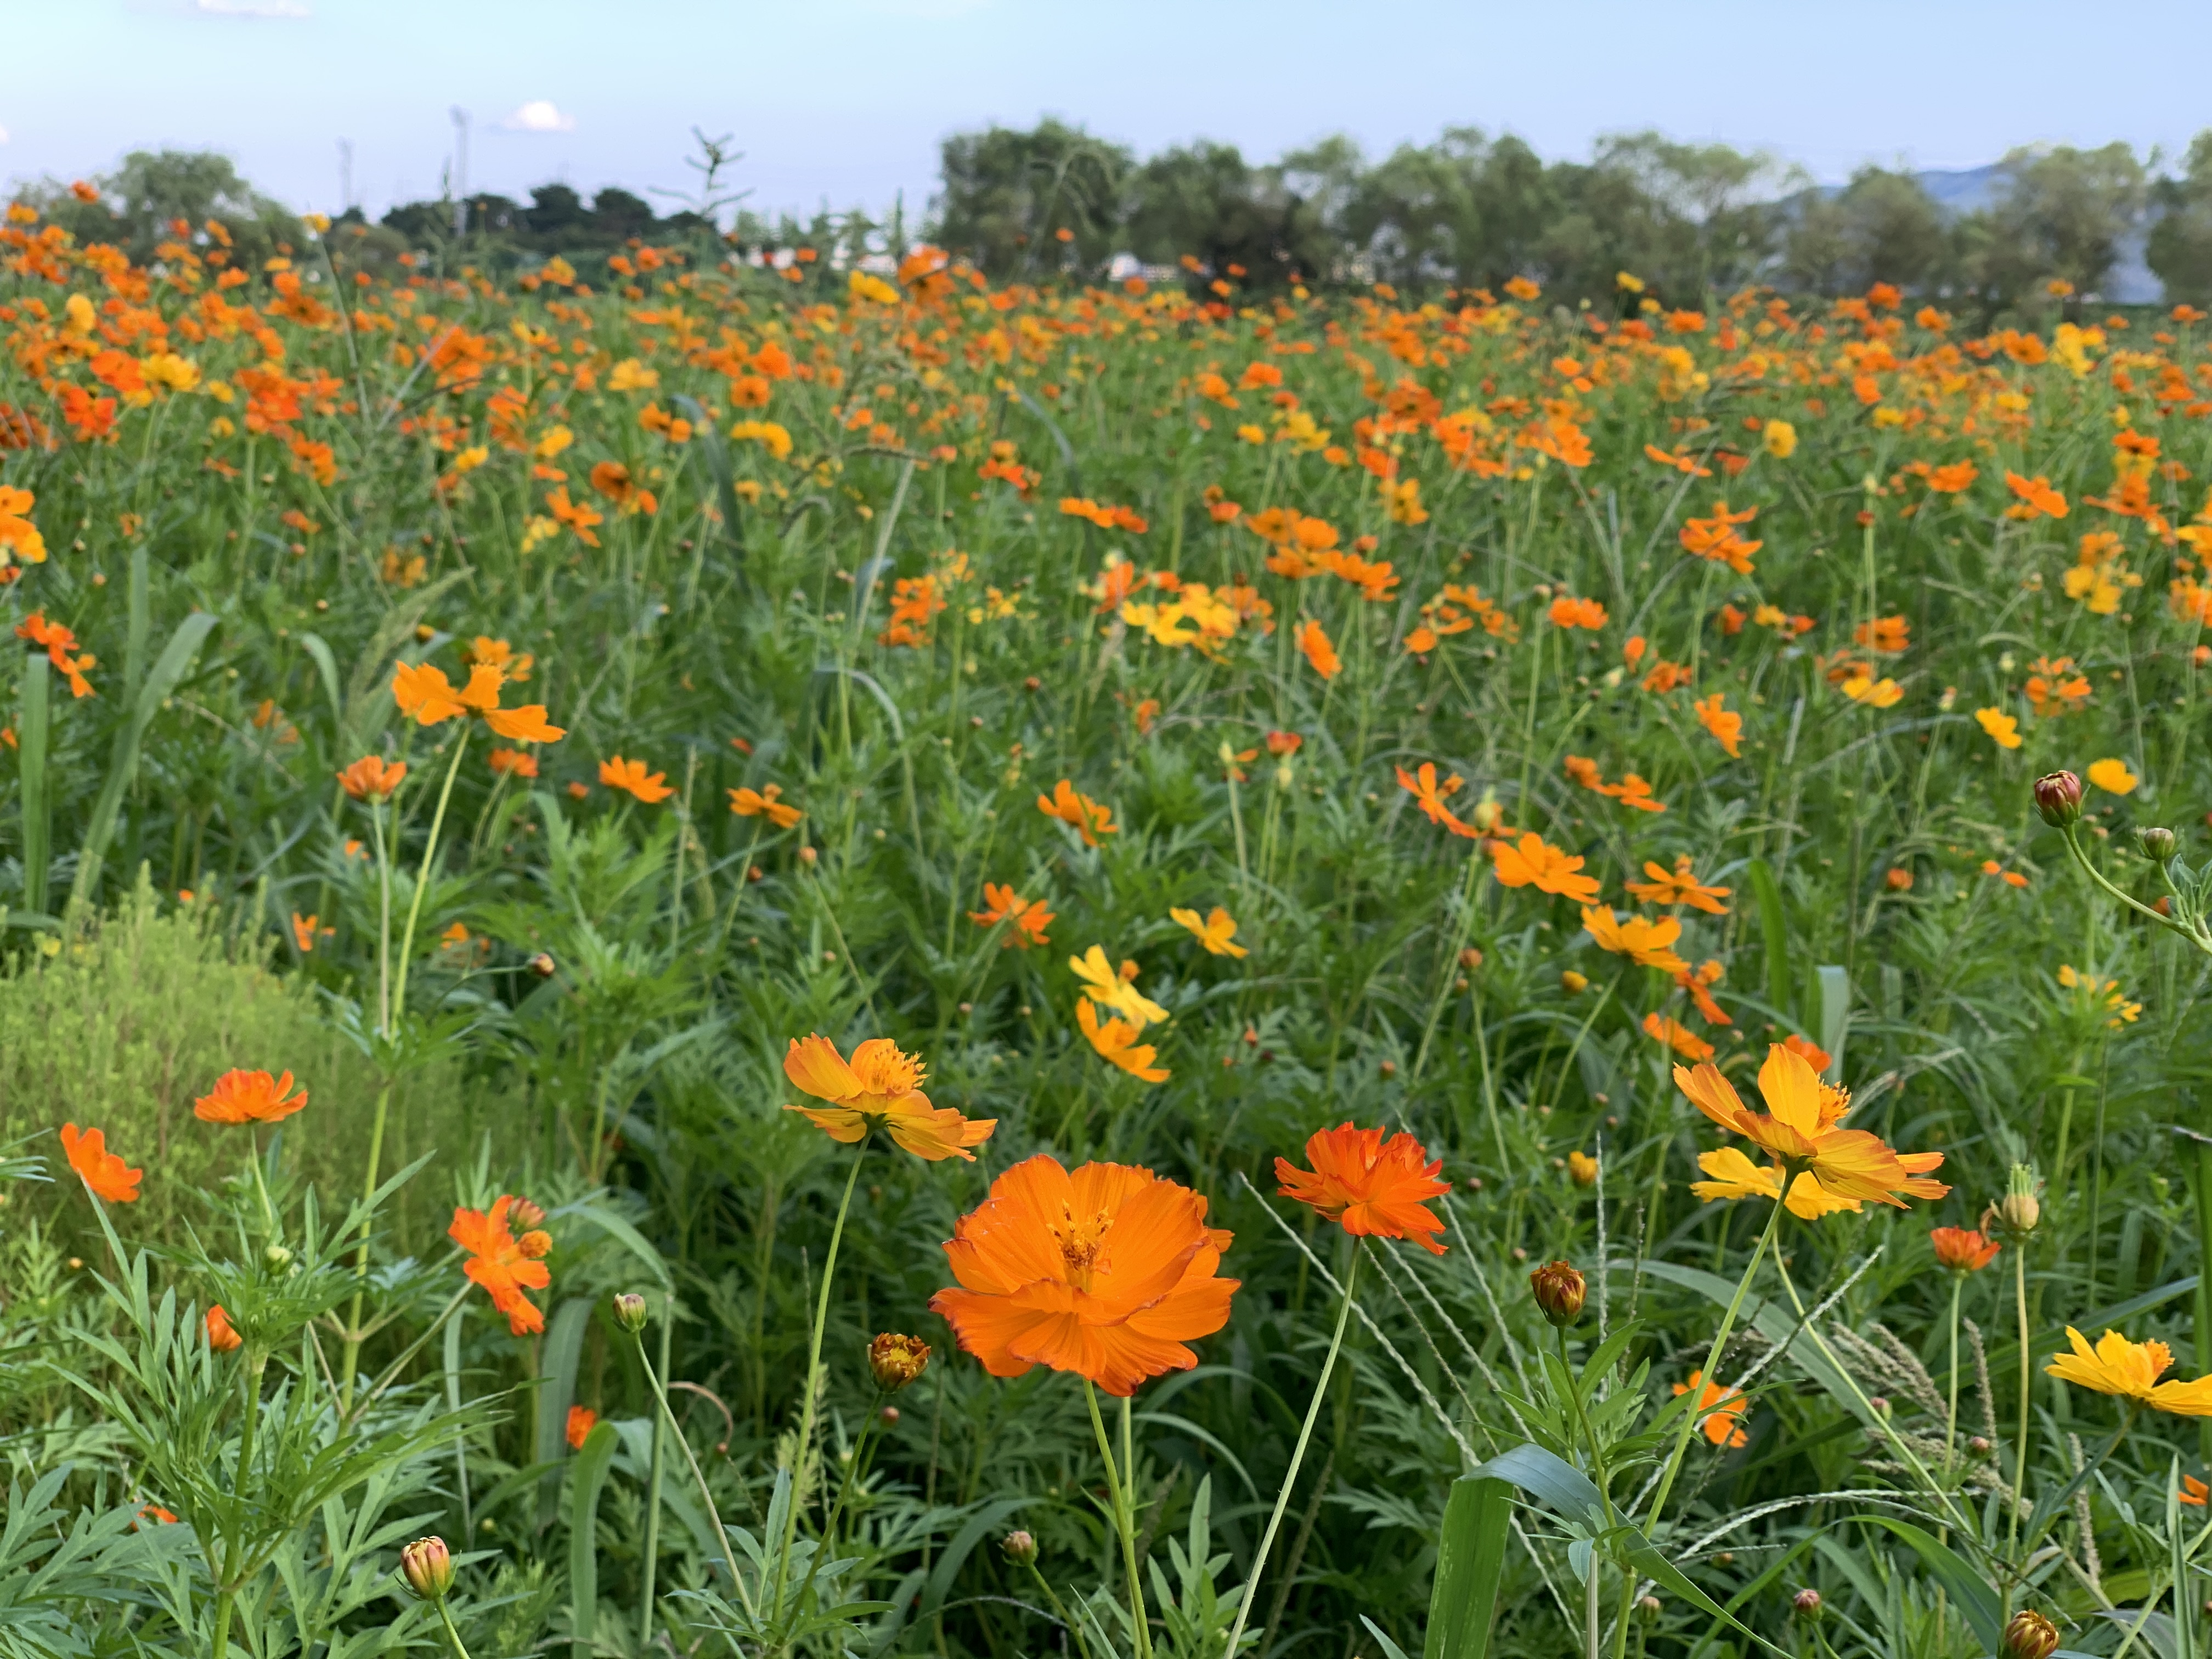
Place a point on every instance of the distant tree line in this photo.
(1469, 210)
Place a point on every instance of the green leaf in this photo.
(984, 1522)
(564, 1345)
(37, 809)
(1835, 985)
(1979, 1604)
(327, 666)
(1390, 1649)
(1774, 931)
(618, 1228)
(1545, 1475)
(1470, 1561)
(591, 1473)
(122, 765)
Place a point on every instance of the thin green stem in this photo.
(453, 1636)
(423, 882)
(1712, 1358)
(698, 1474)
(813, 1385)
(1059, 1612)
(1124, 1524)
(652, 1486)
(1298, 1457)
(837, 1509)
(2026, 1420)
(1951, 1415)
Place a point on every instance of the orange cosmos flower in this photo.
(221, 1335)
(1314, 642)
(1678, 1036)
(1799, 1128)
(60, 645)
(1725, 725)
(426, 697)
(2193, 1491)
(581, 1420)
(101, 1171)
(513, 762)
(1106, 1272)
(1371, 1187)
(499, 1263)
(1679, 886)
(1567, 612)
(1030, 917)
(612, 480)
(879, 1088)
(576, 515)
(1722, 1409)
(1429, 795)
(2130, 1369)
(1962, 1251)
(2037, 497)
(630, 777)
(242, 1097)
(1115, 1039)
(752, 804)
(303, 932)
(1534, 862)
(1646, 943)
(372, 778)
(1071, 806)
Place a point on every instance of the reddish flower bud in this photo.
(895, 1361)
(1559, 1292)
(2058, 797)
(427, 1567)
(2029, 1636)
(525, 1215)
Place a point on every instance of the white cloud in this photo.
(252, 8)
(539, 115)
(4, 135)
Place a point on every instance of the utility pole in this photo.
(460, 170)
(345, 176)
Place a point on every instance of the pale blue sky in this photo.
(846, 99)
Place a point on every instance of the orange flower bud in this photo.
(896, 1361)
(1559, 1291)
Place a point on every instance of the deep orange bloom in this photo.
(613, 480)
(372, 778)
(1534, 862)
(60, 645)
(517, 762)
(1028, 916)
(1314, 640)
(1567, 612)
(1962, 1251)
(240, 1096)
(426, 697)
(1725, 725)
(879, 1087)
(1799, 1129)
(2193, 1491)
(1429, 795)
(576, 515)
(1722, 1409)
(221, 1336)
(1371, 1188)
(1106, 1272)
(752, 804)
(2037, 497)
(1676, 1036)
(1071, 806)
(498, 1262)
(581, 1420)
(101, 1171)
(630, 777)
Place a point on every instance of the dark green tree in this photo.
(1206, 200)
(1006, 193)
(1883, 226)
(2180, 243)
(2063, 216)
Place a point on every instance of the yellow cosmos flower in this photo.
(2112, 776)
(1116, 990)
(1736, 1177)
(2130, 1369)
(2003, 728)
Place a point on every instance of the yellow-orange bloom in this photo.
(1115, 1039)
(1734, 1177)
(1314, 642)
(426, 697)
(631, 778)
(1647, 943)
(2130, 1369)
(1071, 806)
(101, 1171)
(1534, 862)
(878, 1088)
(1679, 886)
(1117, 989)
(1963, 1251)
(1216, 933)
(240, 1096)
(1106, 1272)
(1799, 1128)
(752, 803)
(1371, 1188)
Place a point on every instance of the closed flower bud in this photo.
(1582, 1168)
(525, 1215)
(221, 1336)
(277, 1257)
(2029, 1636)
(1807, 1604)
(2058, 799)
(895, 1361)
(2157, 843)
(2019, 1210)
(889, 1417)
(544, 966)
(1470, 958)
(1020, 1548)
(535, 1245)
(427, 1568)
(630, 1311)
(1648, 1609)
(1574, 984)
(1559, 1292)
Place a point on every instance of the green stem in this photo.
(1298, 1457)
(836, 1510)
(350, 1364)
(1059, 1612)
(453, 1636)
(234, 1554)
(423, 882)
(1124, 1524)
(1712, 1358)
(1951, 1418)
(698, 1474)
(653, 1485)
(2027, 1420)
(813, 1385)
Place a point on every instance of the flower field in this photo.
(725, 956)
